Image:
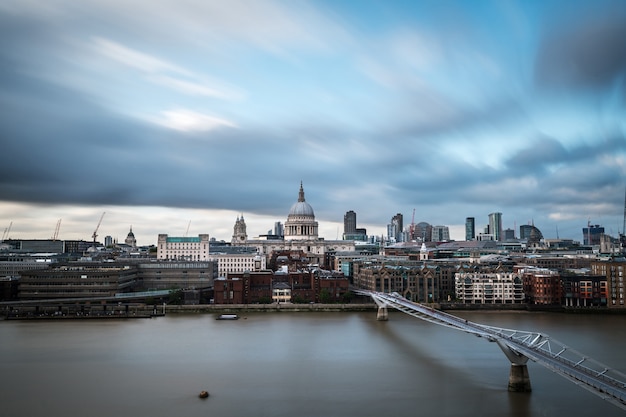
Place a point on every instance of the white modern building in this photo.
(183, 248)
(489, 288)
(238, 262)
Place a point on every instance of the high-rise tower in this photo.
(349, 223)
(470, 228)
(395, 229)
(495, 225)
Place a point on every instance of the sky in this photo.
(178, 116)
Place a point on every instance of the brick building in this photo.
(266, 286)
(542, 286)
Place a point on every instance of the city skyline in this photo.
(178, 116)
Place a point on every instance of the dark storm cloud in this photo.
(589, 51)
(60, 147)
(546, 151)
(496, 113)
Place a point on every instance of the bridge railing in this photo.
(556, 356)
(562, 353)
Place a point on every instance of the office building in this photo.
(183, 248)
(495, 226)
(470, 228)
(592, 233)
(440, 234)
(395, 228)
(349, 223)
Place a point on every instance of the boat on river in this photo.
(228, 317)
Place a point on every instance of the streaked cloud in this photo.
(186, 120)
(189, 108)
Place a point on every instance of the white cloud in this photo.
(195, 88)
(165, 73)
(185, 120)
(133, 58)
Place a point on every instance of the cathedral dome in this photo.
(301, 222)
(301, 207)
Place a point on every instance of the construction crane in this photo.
(622, 236)
(187, 232)
(7, 230)
(56, 230)
(95, 232)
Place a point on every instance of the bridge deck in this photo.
(590, 374)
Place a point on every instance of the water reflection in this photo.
(302, 364)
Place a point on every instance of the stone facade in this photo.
(183, 248)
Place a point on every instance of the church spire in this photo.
(301, 194)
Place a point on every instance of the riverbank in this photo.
(275, 307)
(69, 312)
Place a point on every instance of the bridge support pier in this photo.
(519, 380)
(383, 313)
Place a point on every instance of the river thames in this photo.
(292, 364)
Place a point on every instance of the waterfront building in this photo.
(495, 225)
(541, 286)
(489, 288)
(183, 248)
(304, 286)
(78, 280)
(229, 263)
(470, 228)
(414, 280)
(615, 274)
(185, 275)
(584, 290)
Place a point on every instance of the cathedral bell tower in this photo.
(240, 236)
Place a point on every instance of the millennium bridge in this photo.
(519, 346)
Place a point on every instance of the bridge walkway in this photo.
(519, 346)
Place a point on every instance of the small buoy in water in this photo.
(203, 394)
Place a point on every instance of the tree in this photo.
(325, 297)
